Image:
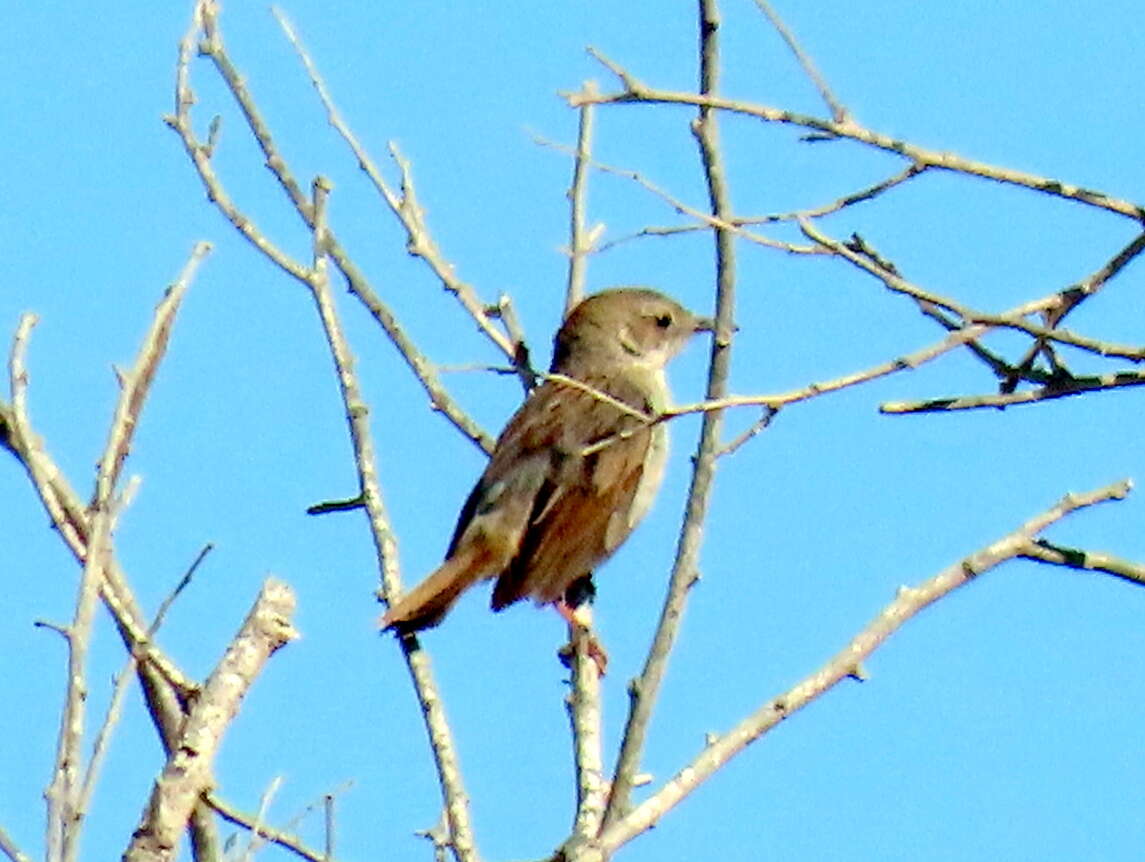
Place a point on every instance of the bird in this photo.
(574, 470)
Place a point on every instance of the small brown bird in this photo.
(562, 490)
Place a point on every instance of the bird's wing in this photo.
(580, 512)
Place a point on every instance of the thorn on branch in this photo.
(346, 505)
(62, 631)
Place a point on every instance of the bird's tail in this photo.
(426, 604)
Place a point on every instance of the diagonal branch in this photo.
(637, 92)
(909, 602)
(838, 111)
(205, 21)
(1010, 320)
(188, 771)
(404, 204)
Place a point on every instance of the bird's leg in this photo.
(581, 639)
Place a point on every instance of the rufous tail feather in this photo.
(426, 604)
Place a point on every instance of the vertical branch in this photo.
(584, 699)
(584, 716)
(455, 799)
(644, 689)
(165, 688)
(328, 820)
(579, 245)
(66, 793)
(63, 794)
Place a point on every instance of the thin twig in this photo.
(329, 823)
(1061, 389)
(522, 364)
(254, 840)
(754, 430)
(281, 837)
(577, 197)
(635, 91)
(840, 113)
(705, 220)
(122, 680)
(741, 222)
(969, 315)
(184, 582)
(404, 205)
(9, 848)
(205, 22)
(1089, 561)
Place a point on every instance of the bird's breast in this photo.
(651, 474)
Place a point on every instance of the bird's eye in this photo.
(664, 321)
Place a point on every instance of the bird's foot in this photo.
(581, 639)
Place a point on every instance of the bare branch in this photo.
(385, 544)
(403, 205)
(9, 848)
(579, 245)
(254, 840)
(840, 113)
(1062, 389)
(205, 21)
(280, 837)
(120, 684)
(188, 770)
(706, 220)
(66, 795)
(584, 708)
(741, 222)
(643, 690)
(165, 687)
(1090, 561)
(1009, 320)
(136, 384)
(1069, 299)
(639, 93)
(846, 663)
(755, 429)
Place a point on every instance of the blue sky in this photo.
(1002, 722)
